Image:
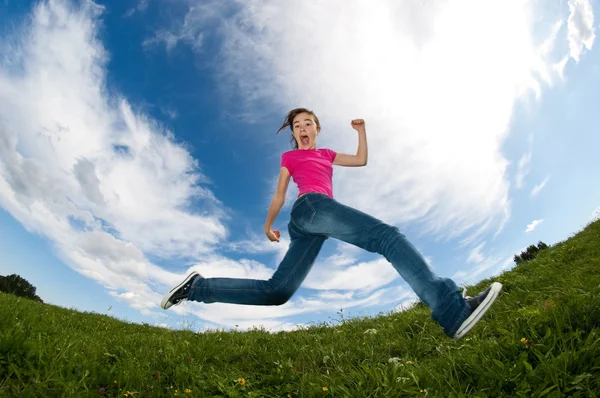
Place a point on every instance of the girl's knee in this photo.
(385, 238)
(280, 297)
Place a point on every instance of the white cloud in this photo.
(170, 112)
(508, 262)
(559, 67)
(363, 276)
(170, 40)
(258, 244)
(437, 111)
(476, 256)
(540, 186)
(556, 68)
(332, 295)
(140, 7)
(216, 266)
(106, 184)
(198, 17)
(523, 170)
(276, 317)
(533, 224)
(473, 275)
(580, 26)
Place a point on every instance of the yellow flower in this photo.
(409, 362)
(325, 389)
(242, 381)
(128, 394)
(188, 391)
(526, 342)
(424, 390)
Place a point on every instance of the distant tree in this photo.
(15, 284)
(530, 253)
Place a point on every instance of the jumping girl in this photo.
(314, 217)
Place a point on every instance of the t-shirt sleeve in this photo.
(285, 161)
(331, 154)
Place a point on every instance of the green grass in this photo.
(541, 338)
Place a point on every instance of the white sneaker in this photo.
(179, 292)
(479, 306)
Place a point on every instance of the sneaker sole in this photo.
(165, 301)
(472, 320)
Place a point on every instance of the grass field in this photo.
(541, 338)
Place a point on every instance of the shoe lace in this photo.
(464, 294)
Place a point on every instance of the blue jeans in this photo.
(314, 217)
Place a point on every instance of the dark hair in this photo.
(289, 120)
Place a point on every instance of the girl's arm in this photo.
(276, 204)
(360, 159)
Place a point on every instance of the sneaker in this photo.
(179, 292)
(479, 306)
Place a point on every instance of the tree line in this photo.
(529, 253)
(19, 286)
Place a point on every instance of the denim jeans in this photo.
(314, 217)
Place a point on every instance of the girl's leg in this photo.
(320, 215)
(285, 281)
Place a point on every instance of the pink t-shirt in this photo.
(311, 170)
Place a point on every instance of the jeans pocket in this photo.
(302, 214)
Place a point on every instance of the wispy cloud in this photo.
(199, 17)
(476, 255)
(423, 146)
(106, 184)
(140, 7)
(472, 275)
(363, 276)
(533, 225)
(431, 143)
(275, 317)
(468, 276)
(540, 186)
(506, 263)
(523, 170)
(580, 26)
(171, 40)
(170, 112)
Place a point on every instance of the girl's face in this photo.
(305, 131)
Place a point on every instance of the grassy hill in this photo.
(541, 338)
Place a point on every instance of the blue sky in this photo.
(137, 142)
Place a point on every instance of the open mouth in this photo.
(304, 139)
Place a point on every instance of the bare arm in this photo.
(276, 204)
(361, 157)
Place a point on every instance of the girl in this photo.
(314, 217)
